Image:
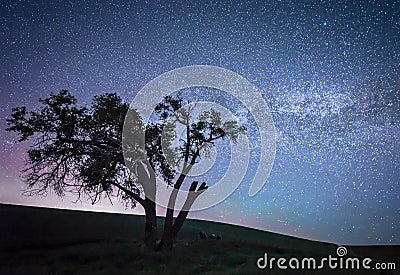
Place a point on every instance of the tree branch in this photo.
(135, 196)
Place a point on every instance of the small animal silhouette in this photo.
(212, 236)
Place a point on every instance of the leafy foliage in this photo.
(75, 149)
(80, 150)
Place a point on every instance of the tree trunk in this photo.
(172, 198)
(171, 202)
(147, 176)
(170, 235)
(150, 230)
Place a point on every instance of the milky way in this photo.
(328, 70)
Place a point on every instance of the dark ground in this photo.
(51, 241)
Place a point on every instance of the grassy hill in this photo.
(52, 241)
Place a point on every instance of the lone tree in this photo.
(79, 149)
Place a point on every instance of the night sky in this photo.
(328, 70)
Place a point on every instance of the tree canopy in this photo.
(78, 149)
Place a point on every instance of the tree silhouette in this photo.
(79, 150)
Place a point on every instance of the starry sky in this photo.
(328, 70)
